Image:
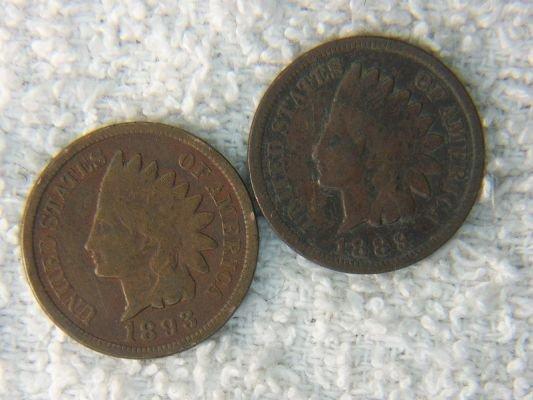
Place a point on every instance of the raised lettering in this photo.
(186, 161)
(423, 80)
(335, 67)
(59, 284)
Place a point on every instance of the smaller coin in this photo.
(366, 154)
(139, 240)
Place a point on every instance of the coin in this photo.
(366, 154)
(139, 240)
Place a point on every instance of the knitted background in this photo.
(455, 326)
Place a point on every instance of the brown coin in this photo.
(366, 154)
(139, 240)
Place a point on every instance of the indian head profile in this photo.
(375, 149)
(146, 233)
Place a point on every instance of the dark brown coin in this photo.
(139, 240)
(366, 154)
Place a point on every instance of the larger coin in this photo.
(139, 240)
(366, 154)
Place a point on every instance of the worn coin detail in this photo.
(366, 154)
(139, 240)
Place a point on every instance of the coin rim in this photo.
(342, 46)
(60, 318)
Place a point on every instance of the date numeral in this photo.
(147, 331)
(374, 245)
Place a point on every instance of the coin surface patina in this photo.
(139, 240)
(366, 154)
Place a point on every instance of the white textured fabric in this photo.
(456, 325)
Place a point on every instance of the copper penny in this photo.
(366, 154)
(139, 240)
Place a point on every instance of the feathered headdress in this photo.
(397, 142)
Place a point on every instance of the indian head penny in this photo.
(366, 154)
(139, 240)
